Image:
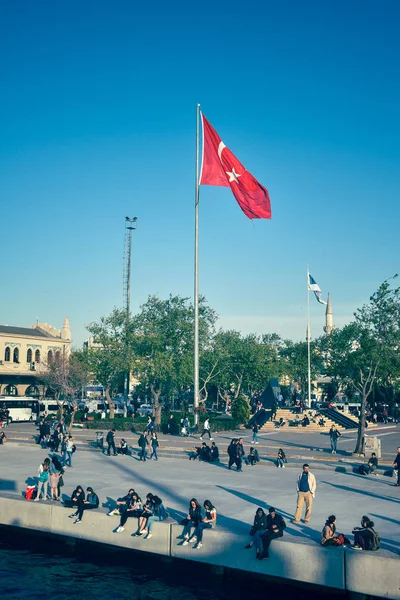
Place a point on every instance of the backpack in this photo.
(44, 476)
(373, 541)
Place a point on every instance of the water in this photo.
(41, 567)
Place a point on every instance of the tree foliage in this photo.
(163, 345)
(113, 354)
(366, 352)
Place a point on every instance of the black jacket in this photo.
(195, 514)
(397, 460)
(142, 442)
(239, 450)
(214, 453)
(278, 521)
(260, 523)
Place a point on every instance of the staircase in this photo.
(288, 415)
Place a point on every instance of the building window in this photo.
(16, 355)
(10, 390)
(50, 357)
(32, 391)
(37, 356)
(29, 355)
(58, 356)
(7, 354)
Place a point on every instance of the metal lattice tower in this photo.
(130, 225)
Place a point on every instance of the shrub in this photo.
(241, 410)
(120, 424)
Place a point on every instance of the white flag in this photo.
(314, 287)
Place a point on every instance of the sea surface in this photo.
(35, 567)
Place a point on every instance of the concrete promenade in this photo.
(236, 495)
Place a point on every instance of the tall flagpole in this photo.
(308, 338)
(196, 274)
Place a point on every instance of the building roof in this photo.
(26, 331)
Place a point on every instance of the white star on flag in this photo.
(233, 176)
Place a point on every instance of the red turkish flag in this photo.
(221, 167)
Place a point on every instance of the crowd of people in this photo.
(265, 528)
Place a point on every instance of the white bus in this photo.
(19, 408)
(46, 405)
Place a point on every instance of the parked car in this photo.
(145, 410)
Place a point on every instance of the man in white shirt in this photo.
(206, 429)
(306, 486)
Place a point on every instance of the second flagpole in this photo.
(308, 339)
(196, 274)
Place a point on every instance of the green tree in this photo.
(241, 410)
(164, 345)
(244, 363)
(113, 355)
(65, 377)
(294, 365)
(366, 352)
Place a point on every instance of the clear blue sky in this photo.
(97, 122)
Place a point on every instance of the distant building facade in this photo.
(24, 351)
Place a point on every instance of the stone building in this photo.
(24, 351)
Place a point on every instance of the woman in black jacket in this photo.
(232, 453)
(77, 496)
(192, 520)
(91, 502)
(365, 537)
(258, 529)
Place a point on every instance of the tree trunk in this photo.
(72, 419)
(157, 407)
(110, 402)
(359, 449)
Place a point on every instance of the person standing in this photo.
(239, 454)
(275, 527)
(44, 474)
(255, 434)
(110, 439)
(232, 453)
(142, 443)
(69, 448)
(334, 434)
(154, 446)
(396, 465)
(306, 486)
(206, 429)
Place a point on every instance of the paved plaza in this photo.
(236, 495)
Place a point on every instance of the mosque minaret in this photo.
(328, 317)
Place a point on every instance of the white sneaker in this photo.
(252, 442)
(257, 442)
(36, 499)
(201, 439)
(148, 536)
(283, 466)
(120, 529)
(193, 539)
(211, 439)
(198, 546)
(185, 543)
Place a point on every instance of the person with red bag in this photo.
(329, 537)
